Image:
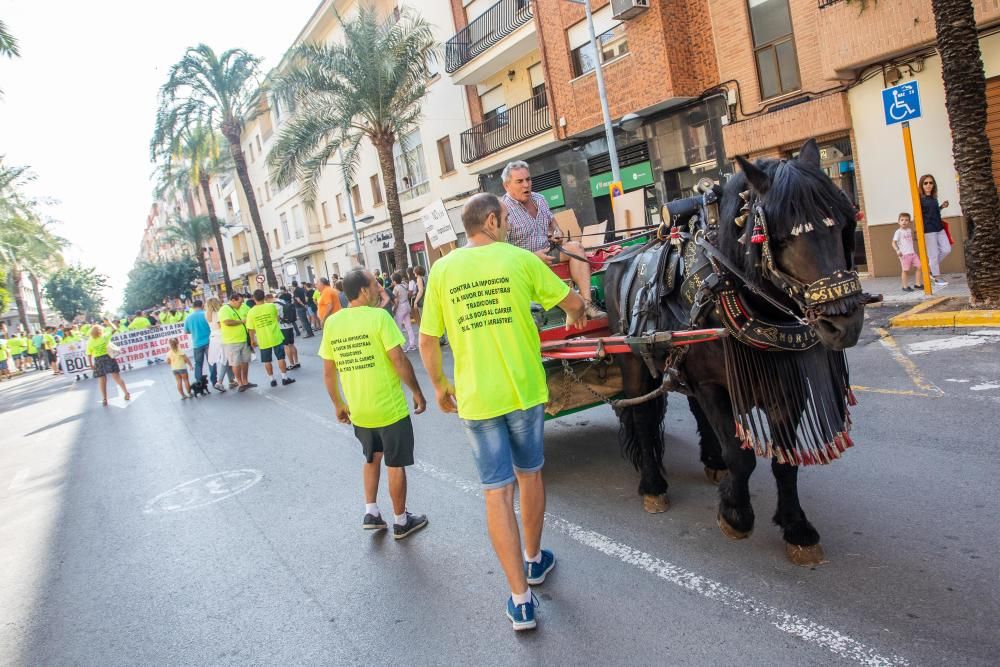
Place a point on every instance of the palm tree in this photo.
(193, 232)
(199, 151)
(27, 245)
(8, 45)
(965, 100)
(369, 87)
(218, 92)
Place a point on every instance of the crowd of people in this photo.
(477, 298)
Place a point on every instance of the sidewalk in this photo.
(893, 294)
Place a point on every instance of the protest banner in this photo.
(149, 344)
(73, 357)
(133, 346)
(437, 224)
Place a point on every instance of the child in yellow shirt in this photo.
(179, 364)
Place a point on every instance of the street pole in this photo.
(350, 208)
(602, 93)
(918, 216)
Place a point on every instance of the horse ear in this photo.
(809, 153)
(756, 177)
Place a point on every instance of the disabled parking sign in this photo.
(901, 103)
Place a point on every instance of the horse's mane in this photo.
(799, 193)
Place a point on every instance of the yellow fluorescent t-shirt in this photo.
(231, 334)
(482, 296)
(263, 319)
(357, 340)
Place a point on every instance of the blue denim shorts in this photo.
(510, 442)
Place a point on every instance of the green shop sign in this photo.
(554, 197)
(636, 176)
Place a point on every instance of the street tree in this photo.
(74, 290)
(369, 87)
(965, 100)
(219, 92)
(27, 246)
(192, 233)
(194, 156)
(149, 283)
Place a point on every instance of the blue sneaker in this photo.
(522, 616)
(535, 572)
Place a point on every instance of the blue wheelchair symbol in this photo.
(901, 103)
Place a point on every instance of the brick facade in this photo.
(670, 56)
(884, 30)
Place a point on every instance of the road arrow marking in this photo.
(120, 402)
(142, 383)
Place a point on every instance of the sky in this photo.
(79, 104)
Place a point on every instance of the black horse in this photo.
(771, 261)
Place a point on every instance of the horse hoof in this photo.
(731, 532)
(715, 476)
(655, 504)
(805, 556)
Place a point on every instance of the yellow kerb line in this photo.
(933, 391)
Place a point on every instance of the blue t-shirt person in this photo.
(196, 325)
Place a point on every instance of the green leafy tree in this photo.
(149, 283)
(371, 87)
(8, 45)
(191, 158)
(28, 246)
(192, 233)
(4, 294)
(219, 92)
(73, 291)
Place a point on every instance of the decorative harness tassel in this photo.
(758, 236)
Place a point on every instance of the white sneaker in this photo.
(940, 283)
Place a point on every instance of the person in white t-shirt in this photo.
(902, 243)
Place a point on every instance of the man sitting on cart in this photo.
(534, 228)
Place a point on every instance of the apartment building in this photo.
(528, 71)
(797, 69)
(156, 244)
(310, 241)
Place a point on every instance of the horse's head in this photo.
(792, 230)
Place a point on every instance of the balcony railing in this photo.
(497, 22)
(506, 128)
(823, 4)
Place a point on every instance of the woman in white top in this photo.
(215, 356)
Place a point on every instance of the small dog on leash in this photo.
(200, 388)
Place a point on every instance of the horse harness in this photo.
(683, 256)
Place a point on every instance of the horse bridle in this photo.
(809, 297)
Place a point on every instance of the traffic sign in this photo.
(260, 280)
(901, 103)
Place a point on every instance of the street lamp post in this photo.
(602, 93)
(350, 208)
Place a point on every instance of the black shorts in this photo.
(394, 441)
(289, 335)
(278, 350)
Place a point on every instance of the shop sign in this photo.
(554, 197)
(383, 240)
(417, 247)
(635, 176)
(437, 224)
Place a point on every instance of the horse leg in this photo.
(711, 450)
(801, 538)
(641, 435)
(736, 517)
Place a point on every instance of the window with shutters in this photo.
(445, 156)
(376, 190)
(612, 42)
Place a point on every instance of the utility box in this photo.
(628, 9)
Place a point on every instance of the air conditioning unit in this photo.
(623, 10)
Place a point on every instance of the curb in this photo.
(916, 317)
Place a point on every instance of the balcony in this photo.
(508, 21)
(507, 128)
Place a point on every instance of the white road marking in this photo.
(141, 383)
(984, 386)
(204, 491)
(799, 626)
(120, 402)
(963, 381)
(20, 479)
(949, 343)
(793, 624)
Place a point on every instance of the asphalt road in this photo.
(105, 561)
